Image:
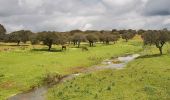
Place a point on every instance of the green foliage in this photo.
(19, 36)
(108, 36)
(77, 38)
(91, 37)
(2, 32)
(127, 36)
(50, 38)
(34, 39)
(157, 38)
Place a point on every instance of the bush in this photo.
(52, 78)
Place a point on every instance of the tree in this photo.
(77, 38)
(128, 35)
(75, 31)
(49, 38)
(108, 36)
(91, 37)
(140, 32)
(2, 32)
(34, 39)
(115, 36)
(63, 38)
(20, 36)
(157, 38)
(101, 36)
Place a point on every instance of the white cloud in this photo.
(64, 15)
(32, 4)
(87, 26)
(118, 2)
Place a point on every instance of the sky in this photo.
(65, 15)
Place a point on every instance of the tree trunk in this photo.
(79, 44)
(18, 42)
(126, 40)
(107, 42)
(49, 47)
(160, 49)
(74, 43)
(160, 45)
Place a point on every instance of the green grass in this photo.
(146, 78)
(22, 68)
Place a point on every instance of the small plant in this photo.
(96, 96)
(54, 94)
(2, 75)
(103, 78)
(168, 51)
(60, 93)
(109, 88)
(84, 48)
(113, 83)
(149, 89)
(78, 88)
(100, 90)
(51, 78)
(33, 87)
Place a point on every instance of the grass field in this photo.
(146, 78)
(21, 67)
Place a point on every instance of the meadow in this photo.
(23, 67)
(146, 78)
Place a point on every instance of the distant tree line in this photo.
(76, 37)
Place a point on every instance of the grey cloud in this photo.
(64, 15)
(157, 7)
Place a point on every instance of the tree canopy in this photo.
(157, 38)
(92, 37)
(128, 34)
(2, 32)
(19, 36)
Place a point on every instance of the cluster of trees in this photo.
(75, 36)
(2, 32)
(18, 36)
(156, 37)
(150, 37)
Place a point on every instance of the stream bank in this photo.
(39, 93)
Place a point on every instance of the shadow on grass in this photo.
(52, 50)
(13, 45)
(150, 56)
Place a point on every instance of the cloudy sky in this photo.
(64, 15)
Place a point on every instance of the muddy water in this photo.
(39, 93)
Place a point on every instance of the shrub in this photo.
(51, 78)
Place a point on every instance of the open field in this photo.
(22, 68)
(84, 50)
(146, 78)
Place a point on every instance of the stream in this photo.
(39, 93)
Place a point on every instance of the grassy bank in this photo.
(21, 68)
(146, 78)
